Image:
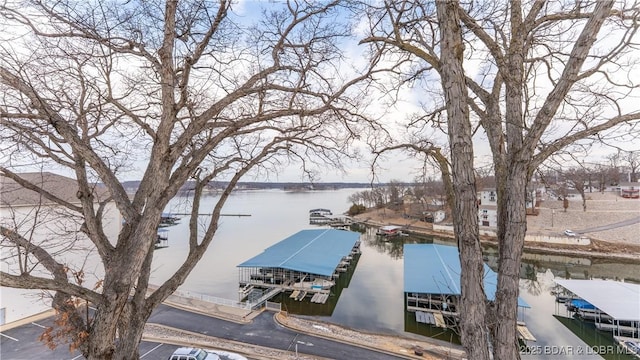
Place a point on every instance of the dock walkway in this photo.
(216, 309)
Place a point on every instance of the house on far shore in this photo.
(53, 227)
(488, 205)
(427, 210)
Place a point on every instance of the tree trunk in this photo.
(101, 344)
(130, 327)
(511, 245)
(465, 213)
(446, 177)
(118, 308)
(130, 332)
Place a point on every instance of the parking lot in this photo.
(22, 343)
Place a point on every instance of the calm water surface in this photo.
(373, 300)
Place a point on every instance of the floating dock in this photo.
(432, 286)
(615, 305)
(305, 264)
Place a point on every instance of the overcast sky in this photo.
(396, 166)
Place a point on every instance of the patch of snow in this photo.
(321, 328)
(227, 355)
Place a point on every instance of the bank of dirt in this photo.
(601, 223)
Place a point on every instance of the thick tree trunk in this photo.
(128, 343)
(465, 213)
(101, 344)
(119, 308)
(135, 314)
(130, 333)
(511, 244)
(446, 177)
(129, 324)
(512, 207)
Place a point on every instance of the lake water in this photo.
(373, 300)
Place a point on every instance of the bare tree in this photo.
(356, 198)
(538, 83)
(396, 191)
(430, 153)
(579, 178)
(632, 158)
(364, 197)
(608, 173)
(614, 162)
(186, 89)
(465, 205)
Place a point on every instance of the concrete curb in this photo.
(408, 355)
(29, 319)
(217, 314)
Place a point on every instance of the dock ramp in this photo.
(524, 333)
(266, 296)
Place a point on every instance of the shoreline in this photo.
(599, 248)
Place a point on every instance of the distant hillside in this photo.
(132, 186)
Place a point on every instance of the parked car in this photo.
(570, 233)
(188, 353)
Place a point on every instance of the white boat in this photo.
(317, 284)
(320, 216)
(390, 230)
(322, 284)
(320, 211)
(630, 344)
(617, 329)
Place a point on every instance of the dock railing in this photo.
(213, 299)
(273, 306)
(264, 298)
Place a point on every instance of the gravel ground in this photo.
(602, 209)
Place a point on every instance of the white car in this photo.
(570, 233)
(187, 353)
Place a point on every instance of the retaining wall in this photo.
(564, 240)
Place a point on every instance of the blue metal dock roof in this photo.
(316, 251)
(619, 300)
(435, 269)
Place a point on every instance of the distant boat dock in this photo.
(208, 214)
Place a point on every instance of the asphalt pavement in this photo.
(616, 225)
(23, 342)
(263, 331)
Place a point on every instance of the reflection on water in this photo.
(598, 342)
(374, 298)
(537, 274)
(412, 326)
(531, 283)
